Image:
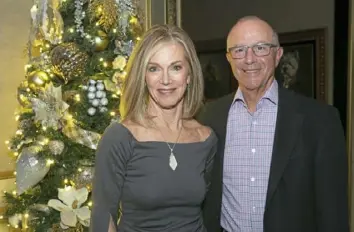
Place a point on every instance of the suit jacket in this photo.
(307, 188)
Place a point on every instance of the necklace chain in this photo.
(169, 146)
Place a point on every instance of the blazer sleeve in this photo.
(112, 156)
(331, 176)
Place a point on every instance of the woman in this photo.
(154, 165)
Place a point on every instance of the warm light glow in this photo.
(50, 162)
(17, 117)
(114, 30)
(101, 59)
(112, 113)
(77, 97)
(15, 173)
(44, 128)
(79, 169)
(138, 38)
(19, 132)
(105, 64)
(98, 40)
(71, 30)
(88, 37)
(16, 153)
(26, 215)
(1, 217)
(89, 204)
(28, 90)
(7, 142)
(14, 193)
(66, 181)
(99, 9)
(133, 20)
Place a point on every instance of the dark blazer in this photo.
(307, 188)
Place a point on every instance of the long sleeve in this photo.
(331, 177)
(112, 156)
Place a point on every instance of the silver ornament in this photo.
(95, 102)
(92, 82)
(104, 94)
(92, 89)
(99, 94)
(91, 111)
(56, 147)
(104, 101)
(103, 109)
(30, 169)
(100, 86)
(91, 95)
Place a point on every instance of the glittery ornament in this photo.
(56, 147)
(30, 169)
(84, 177)
(68, 61)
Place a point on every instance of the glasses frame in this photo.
(229, 50)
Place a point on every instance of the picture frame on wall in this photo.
(302, 67)
(218, 78)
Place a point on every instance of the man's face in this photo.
(253, 71)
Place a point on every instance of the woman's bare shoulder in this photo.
(203, 131)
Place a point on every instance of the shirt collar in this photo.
(271, 94)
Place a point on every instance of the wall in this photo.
(14, 28)
(210, 19)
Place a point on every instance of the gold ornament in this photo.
(101, 41)
(106, 11)
(37, 78)
(68, 61)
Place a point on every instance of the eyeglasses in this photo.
(239, 52)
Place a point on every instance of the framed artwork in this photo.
(161, 12)
(218, 77)
(303, 65)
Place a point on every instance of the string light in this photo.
(50, 162)
(112, 113)
(114, 30)
(77, 97)
(14, 192)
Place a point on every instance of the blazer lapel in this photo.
(287, 130)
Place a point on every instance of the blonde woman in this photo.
(153, 167)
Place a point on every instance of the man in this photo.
(281, 164)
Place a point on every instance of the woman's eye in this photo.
(177, 67)
(152, 69)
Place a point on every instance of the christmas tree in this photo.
(77, 53)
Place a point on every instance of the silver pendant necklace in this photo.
(172, 160)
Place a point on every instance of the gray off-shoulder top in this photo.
(134, 182)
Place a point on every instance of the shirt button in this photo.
(254, 209)
(253, 150)
(253, 179)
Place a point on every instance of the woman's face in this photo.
(167, 75)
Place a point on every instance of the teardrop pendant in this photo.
(173, 161)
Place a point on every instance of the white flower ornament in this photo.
(70, 207)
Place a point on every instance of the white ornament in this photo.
(92, 89)
(100, 86)
(70, 206)
(103, 94)
(91, 111)
(103, 109)
(99, 94)
(95, 102)
(92, 82)
(91, 95)
(104, 101)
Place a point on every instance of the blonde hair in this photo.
(135, 95)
